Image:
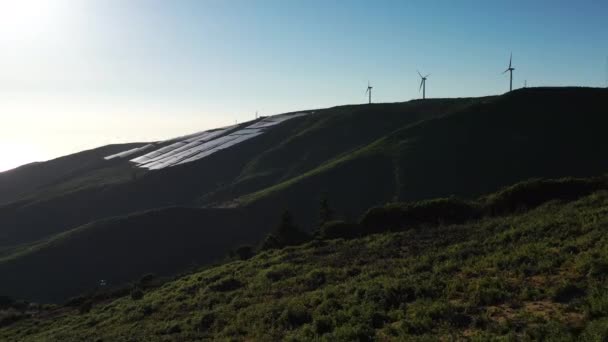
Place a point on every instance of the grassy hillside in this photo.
(356, 156)
(36, 179)
(120, 249)
(526, 267)
(534, 132)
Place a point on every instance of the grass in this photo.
(528, 274)
(358, 156)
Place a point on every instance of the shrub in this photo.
(566, 292)
(326, 214)
(225, 285)
(339, 229)
(244, 252)
(279, 272)
(285, 234)
(85, 307)
(323, 325)
(597, 303)
(398, 216)
(295, 315)
(206, 321)
(532, 193)
(137, 294)
(314, 279)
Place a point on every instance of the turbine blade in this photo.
(510, 60)
(419, 73)
(427, 75)
(421, 82)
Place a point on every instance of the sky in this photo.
(78, 74)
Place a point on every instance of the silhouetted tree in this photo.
(244, 252)
(286, 233)
(326, 214)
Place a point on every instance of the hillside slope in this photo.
(356, 156)
(120, 249)
(535, 132)
(38, 178)
(184, 185)
(535, 274)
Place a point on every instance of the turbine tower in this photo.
(423, 84)
(369, 92)
(510, 70)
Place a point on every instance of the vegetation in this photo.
(74, 227)
(530, 272)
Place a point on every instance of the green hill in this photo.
(526, 263)
(356, 156)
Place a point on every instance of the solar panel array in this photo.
(199, 145)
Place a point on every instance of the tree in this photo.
(244, 252)
(286, 233)
(326, 214)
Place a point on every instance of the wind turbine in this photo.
(423, 84)
(369, 90)
(510, 70)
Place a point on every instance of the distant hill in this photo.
(355, 156)
(532, 268)
(33, 179)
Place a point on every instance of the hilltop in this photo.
(113, 221)
(527, 262)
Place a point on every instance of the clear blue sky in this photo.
(76, 74)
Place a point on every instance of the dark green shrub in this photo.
(399, 216)
(206, 321)
(287, 233)
(85, 307)
(598, 269)
(279, 272)
(323, 325)
(532, 193)
(225, 285)
(339, 229)
(295, 315)
(137, 294)
(244, 252)
(326, 213)
(314, 279)
(566, 292)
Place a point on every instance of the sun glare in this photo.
(26, 19)
(14, 155)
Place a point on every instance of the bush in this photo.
(398, 216)
(567, 292)
(279, 272)
(287, 233)
(339, 229)
(532, 193)
(314, 279)
(244, 252)
(85, 307)
(137, 294)
(323, 325)
(295, 315)
(225, 285)
(206, 321)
